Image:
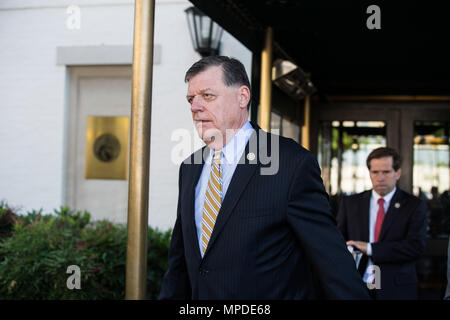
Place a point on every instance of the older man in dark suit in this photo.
(386, 225)
(253, 218)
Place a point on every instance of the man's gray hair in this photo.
(234, 73)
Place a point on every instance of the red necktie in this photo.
(380, 218)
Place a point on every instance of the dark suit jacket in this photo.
(271, 234)
(402, 240)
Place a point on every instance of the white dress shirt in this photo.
(373, 219)
(231, 154)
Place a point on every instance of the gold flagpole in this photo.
(136, 268)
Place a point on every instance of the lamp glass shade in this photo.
(205, 33)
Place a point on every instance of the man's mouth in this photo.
(208, 139)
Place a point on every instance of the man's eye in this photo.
(189, 100)
(207, 95)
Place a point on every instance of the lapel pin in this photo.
(397, 205)
(251, 156)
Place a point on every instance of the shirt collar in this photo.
(232, 151)
(387, 198)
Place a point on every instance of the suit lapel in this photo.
(392, 213)
(365, 226)
(193, 175)
(365, 216)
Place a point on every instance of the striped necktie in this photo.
(213, 200)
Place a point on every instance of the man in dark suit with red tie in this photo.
(386, 225)
(253, 219)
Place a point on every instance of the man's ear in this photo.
(398, 173)
(244, 96)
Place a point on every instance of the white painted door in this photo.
(94, 91)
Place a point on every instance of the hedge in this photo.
(36, 250)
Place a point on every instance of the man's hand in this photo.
(360, 245)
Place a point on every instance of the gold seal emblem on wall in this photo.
(107, 147)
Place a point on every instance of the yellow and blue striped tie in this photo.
(213, 200)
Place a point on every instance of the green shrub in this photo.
(37, 250)
(158, 248)
(7, 220)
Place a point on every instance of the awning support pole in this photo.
(266, 81)
(306, 123)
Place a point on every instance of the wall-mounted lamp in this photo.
(205, 33)
(292, 79)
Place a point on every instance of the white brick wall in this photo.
(33, 98)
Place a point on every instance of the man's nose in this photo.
(196, 104)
